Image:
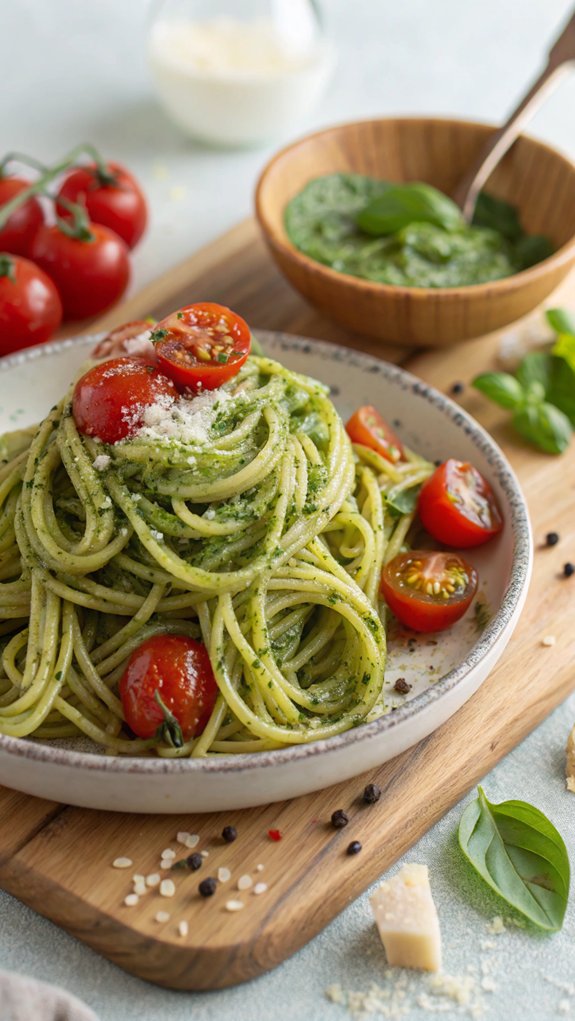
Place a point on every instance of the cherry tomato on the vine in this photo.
(90, 274)
(428, 590)
(168, 688)
(18, 233)
(201, 346)
(110, 400)
(458, 507)
(367, 427)
(30, 306)
(113, 198)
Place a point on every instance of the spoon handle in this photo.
(560, 56)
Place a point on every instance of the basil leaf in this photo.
(544, 425)
(403, 502)
(560, 320)
(564, 347)
(520, 854)
(561, 387)
(535, 368)
(531, 249)
(403, 204)
(501, 387)
(497, 215)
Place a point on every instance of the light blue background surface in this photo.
(74, 69)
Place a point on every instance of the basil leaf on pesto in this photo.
(404, 204)
(403, 502)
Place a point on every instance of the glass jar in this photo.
(239, 72)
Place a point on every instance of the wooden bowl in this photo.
(534, 177)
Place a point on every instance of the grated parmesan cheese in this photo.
(140, 345)
(182, 421)
(101, 462)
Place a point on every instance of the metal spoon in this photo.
(560, 56)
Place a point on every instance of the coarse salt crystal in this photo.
(101, 462)
(260, 888)
(183, 928)
(182, 836)
(154, 879)
(244, 882)
(234, 905)
(122, 863)
(192, 840)
(168, 852)
(131, 900)
(167, 888)
(548, 641)
(224, 874)
(166, 863)
(260, 868)
(162, 916)
(205, 854)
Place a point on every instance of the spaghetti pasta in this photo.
(245, 518)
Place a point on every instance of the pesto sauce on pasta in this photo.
(264, 538)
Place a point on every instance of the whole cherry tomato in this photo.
(18, 233)
(30, 306)
(168, 688)
(458, 507)
(90, 273)
(201, 346)
(112, 197)
(367, 427)
(110, 399)
(427, 590)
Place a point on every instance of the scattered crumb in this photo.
(224, 874)
(244, 882)
(122, 863)
(496, 925)
(183, 928)
(162, 916)
(234, 905)
(131, 900)
(205, 854)
(548, 641)
(167, 888)
(260, 868)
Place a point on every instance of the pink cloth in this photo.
(25, 999)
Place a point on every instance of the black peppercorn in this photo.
(401, 686)
(371, 794)
(207, 887)
(194, 861)
(354, 847)
(339, 819)
(457, 388)
(552, 538)
(568, 570)
(229, 834)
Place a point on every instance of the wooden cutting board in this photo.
(57, 859)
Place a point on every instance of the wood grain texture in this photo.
(535, 178)
(58, 859)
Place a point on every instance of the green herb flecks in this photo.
(520, 855)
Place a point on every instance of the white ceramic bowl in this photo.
(78, 774)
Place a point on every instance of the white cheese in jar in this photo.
(236, 82)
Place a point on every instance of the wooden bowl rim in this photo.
(563, 255)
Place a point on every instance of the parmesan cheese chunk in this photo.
(407, 920)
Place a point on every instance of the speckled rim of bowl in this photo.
(520, 573)
(564, 254)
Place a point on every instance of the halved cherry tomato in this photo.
(458, 507)
(110, 399)
(168, 688)
(113, 198)
(90, 274)
(18, 233)
(367, 427)
(428, 590)
(202, 345)
(30, 306)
